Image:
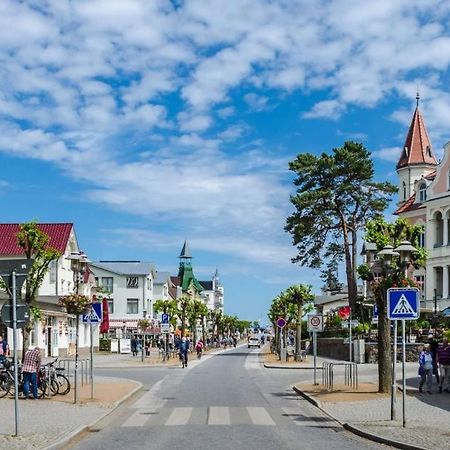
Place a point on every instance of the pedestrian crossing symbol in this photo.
(403, 304)
(94, 315)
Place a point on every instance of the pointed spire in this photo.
(417, 148)
(216, 275)
(417, 97)
(185, 251)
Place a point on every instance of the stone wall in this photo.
(336, 348)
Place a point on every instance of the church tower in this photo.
(186, 273)
(417, 159)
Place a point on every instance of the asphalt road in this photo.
(223, 401)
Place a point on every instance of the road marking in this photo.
(136, 420)
(259, 415)
(219, 415)
(179, 416)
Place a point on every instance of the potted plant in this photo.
(75, 303)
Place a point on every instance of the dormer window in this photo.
(423, 192)
(406, 150)
(428, 150)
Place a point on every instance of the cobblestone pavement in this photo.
(44, 422)
(427, 417)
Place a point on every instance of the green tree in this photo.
(383, 233)
(335, 197)
(184, 304)
(195, 312)
(35, 245)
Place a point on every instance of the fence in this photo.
(84, 367)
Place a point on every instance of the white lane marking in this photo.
(259, 415)
(219, 415)
(136, 420)
(179, 416)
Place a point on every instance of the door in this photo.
(49, 341)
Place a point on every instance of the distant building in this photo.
(330, 302)
(128, 286)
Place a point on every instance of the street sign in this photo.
(165, 328)
(375, 315)
(164, 318)
(344, 323)
(315, 322)
(22, 315)
(281, 322)
(403, 304)
(94, 315)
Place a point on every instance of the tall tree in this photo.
(383, 233)
(35, 245)
(183, 305)
(335, 196)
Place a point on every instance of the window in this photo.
(52, 268)
(404, 191)
(422, 240)
(420, 281)
(423, 192)
(132, 282)
(132, 305)
(110, 305)
(108, 283)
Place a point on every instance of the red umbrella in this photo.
(104, 326)
(344, 312)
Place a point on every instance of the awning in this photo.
(123, 323)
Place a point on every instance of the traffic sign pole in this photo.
(315, 356)
(394, 376)
(403, 374)
(16, 371)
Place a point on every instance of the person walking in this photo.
(134, 346)
(443, 360)
(184, 349)
(434, 344)
(4, 349)
(425, 368)
(199, 349)
(30, 368)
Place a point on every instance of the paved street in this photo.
(223, 401)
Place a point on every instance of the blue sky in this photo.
(148, 123)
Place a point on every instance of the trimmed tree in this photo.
(335, 196)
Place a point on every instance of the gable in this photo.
(440, 184)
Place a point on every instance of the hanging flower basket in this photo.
(75, 304)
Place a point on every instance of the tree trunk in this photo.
(384, 347)
(203, 331)
(298, 340)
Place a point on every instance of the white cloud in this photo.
(327, 109)
(391, 154)
(256, 102)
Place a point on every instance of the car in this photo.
(253, 342)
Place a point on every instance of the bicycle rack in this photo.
(350, 374)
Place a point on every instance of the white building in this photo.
(213, 293)
(128, 286)
(424, 193)
(54, 333)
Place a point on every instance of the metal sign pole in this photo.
(315, 356)
(394, 375)
(403, 373)
(16, 371)
(92, 361)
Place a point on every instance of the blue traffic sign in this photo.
(403, 304)
(94, 315)
(375, 311)
(164, 318)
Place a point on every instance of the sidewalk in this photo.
(49, 423)
(367, 413)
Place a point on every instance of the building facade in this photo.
(424, 199)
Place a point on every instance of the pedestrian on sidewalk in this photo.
(30, 368)
(443, 359)
(434, 344)
(425, 368)
(4, 349)
(134, 346)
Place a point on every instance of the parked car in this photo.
(253, 342)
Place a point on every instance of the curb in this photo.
(273, 366)
(355, 430)
(73, 434)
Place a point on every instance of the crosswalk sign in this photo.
(94, 315)
(403, 304)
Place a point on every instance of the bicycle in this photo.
(56, 375)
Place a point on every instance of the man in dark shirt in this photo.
(433, 350)
(443, 359)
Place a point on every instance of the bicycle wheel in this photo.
(63, 384)
(5, 385)
(49, 389)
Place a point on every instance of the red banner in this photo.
(344, 312)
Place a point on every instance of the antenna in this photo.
(417, 97)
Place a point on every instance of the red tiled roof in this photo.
(431, 176)
(409, 205)
(417, 148)
(58, 233)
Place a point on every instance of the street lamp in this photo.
(78, 262)
(435, 311)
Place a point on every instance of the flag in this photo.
(104, 326)
(344, 312)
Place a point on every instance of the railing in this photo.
(83, 368)
(350, 374)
